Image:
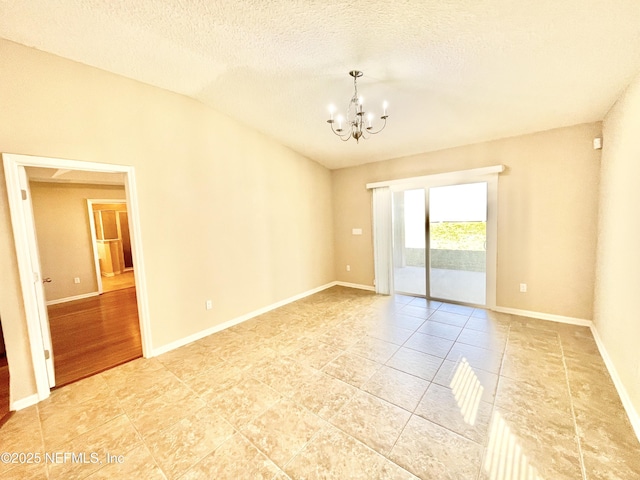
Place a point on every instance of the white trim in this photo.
(359, 286)
(12, 165)
(446, 177)
(71, 299)
(545, 316)
(634, 416)
(24, 402)
(235, 321)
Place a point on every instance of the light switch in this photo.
(356, 231)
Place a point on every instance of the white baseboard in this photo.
(356, 285)
(235, 321)
(634, 416)
(545, 316)
(75, 297)
(24, 402)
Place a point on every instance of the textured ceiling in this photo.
(453, 72)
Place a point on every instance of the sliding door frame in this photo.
(477, 175)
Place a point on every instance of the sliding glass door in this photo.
(457, 236)
(440, 242)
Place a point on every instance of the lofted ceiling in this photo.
(453, 71)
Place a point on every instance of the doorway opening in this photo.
(111, 241)
(43, 350)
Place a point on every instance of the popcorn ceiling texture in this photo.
(454, 72)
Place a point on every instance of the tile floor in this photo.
(344, 384)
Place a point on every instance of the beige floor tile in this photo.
(442, 330)
(137, 463)
(450, 318)
(416, 311)
(431, 451)
(373, 349)
(397, 387)
(335, 455)
(235, 458)
(315, 354)
(216, 381)
(283, 430)
(390, 332)
(532, 446)
(459, 309)
(189, 361)
(525, 364)
(373, 421)
(491, 322)
(488, 380)
(29, 471)
(408, 322)
(430, 344)
(283, 374)
(415, 363)
(462, 411)
(180, 446)
(116, 437)
(552, 403)
(323, 394)
(340, 338)
(59, 425)
(352, 369)
(476, 357)
(21, 433)
(245, 401)
(488, 340)
(164, 410)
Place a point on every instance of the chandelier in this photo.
(354, 124)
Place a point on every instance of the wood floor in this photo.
(94, 334)
(118, 282)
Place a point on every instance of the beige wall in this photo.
(226, 213)
(547, 215)
(64, 236)
(618, 265)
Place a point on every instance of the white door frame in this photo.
(29, 268)
(94, 236)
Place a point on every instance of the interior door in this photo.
(457, 240)
(27, 212)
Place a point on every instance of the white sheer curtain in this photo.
(382, 241)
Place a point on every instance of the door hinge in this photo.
(24, 194)
(47, 354)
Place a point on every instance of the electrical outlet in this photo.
(348, 268)
(76, 280)
(209, 304)
(523, 288)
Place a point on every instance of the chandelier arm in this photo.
(343, 136)
(381, 128)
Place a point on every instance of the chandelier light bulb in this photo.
(332, 110)
(385, 105)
